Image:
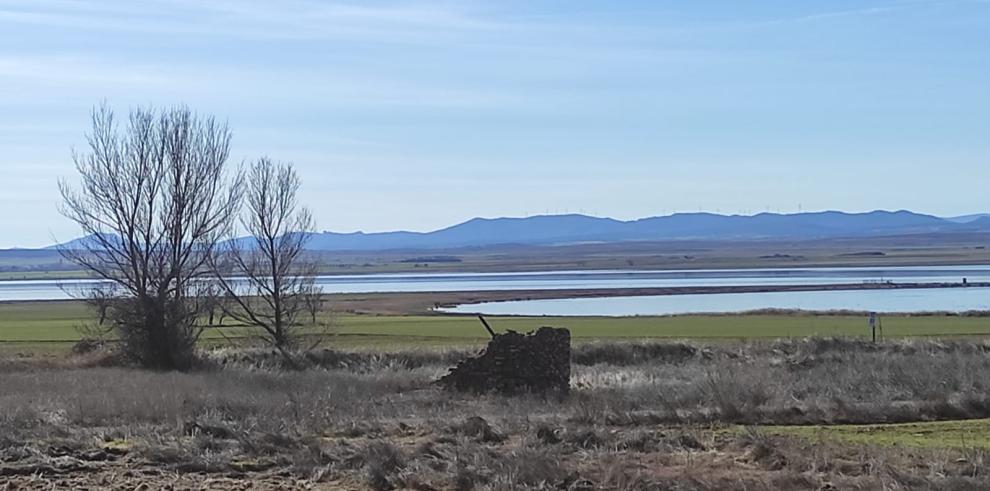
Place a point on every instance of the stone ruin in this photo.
(513, 363)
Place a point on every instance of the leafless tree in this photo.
(313, 302)
(100, 298)
(267, 273)
(213, 302)
(153, 202)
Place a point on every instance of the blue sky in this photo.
(417, 115)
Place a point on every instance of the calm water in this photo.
(914, 300)
(53, 290)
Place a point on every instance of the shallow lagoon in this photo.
(445, 282)
(901, 300)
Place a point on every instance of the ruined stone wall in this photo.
(515, 363)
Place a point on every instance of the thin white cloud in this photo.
(831, 15)
(301, 19)
(90, 78)
(866, 11)
(76, 70)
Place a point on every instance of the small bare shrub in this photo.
(529, 467)
(382, 461)
(478, 428)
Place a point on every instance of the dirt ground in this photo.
(575, 458)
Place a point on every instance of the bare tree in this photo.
(153, 202)
(313, 302)
(267, 274)
(100, 299)
(213, 302)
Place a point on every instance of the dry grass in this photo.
(795, 382)
(642, 416)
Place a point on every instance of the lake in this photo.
(903, 300)
(440, 282)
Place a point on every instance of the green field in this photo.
(42, 275)
(54, 324)
(939, 434)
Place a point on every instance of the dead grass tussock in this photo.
(375, 421)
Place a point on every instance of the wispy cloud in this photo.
(49, 69)
(867, 11)
(831, 15)
(61, 78)
(299, 19)
(493, 59)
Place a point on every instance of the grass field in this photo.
(936, 434)
(53, 325)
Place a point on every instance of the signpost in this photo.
(875, 325)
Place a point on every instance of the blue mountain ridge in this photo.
(562, 229)
(574, 228)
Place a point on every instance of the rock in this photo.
(513, 363)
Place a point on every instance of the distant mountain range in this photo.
(571, 229)
(84, 242)
(968, 218)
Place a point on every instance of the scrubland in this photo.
(794, 414)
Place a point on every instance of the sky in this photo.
(418, 115)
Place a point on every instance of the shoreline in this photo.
(428, 303)
(520, 295)
(523, 267)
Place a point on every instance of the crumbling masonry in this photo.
(516, 363)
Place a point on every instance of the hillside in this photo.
(569, 229)
(575, 229)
